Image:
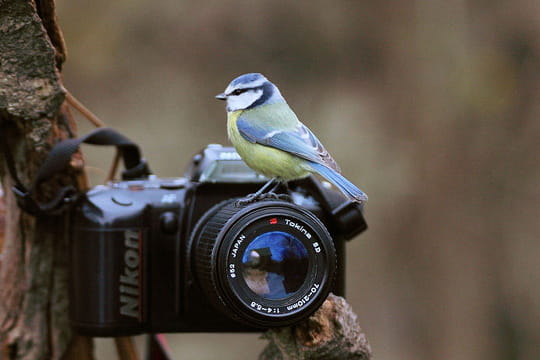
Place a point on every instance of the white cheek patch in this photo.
(244, 100)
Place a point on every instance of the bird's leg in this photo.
(256, 195)
(263, 189)
(264, 193)
(272, 195)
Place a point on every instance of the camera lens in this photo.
(275, 265)
(266, 264)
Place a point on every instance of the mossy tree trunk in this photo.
(33, 117)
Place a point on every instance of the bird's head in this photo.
(248, 91)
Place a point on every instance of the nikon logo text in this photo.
(129, 280)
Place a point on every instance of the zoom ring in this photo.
(204, 266)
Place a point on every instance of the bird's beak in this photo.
(221, 96)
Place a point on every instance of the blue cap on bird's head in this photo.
(248, 91)
(251, 79)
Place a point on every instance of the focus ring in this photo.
(205, 247)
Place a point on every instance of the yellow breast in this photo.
(265, 160)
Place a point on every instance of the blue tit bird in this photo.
(272, 141)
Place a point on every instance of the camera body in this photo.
(183, 255)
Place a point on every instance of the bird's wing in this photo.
(286, 135)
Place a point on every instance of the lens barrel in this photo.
(266, 264)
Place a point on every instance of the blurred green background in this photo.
(432, 107)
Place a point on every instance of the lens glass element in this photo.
(275, 265)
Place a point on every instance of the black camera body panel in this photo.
(131, 261)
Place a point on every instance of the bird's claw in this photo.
(251, 198)
(275, 196)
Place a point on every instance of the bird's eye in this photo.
(238, 91)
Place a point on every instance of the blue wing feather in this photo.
(296, 139)
(344, 185)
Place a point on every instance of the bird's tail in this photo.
(344, 185)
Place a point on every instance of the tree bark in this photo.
(332, 333)
(33, 117)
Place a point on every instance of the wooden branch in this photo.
(72, 100)
(332, 333)
(126, 348)
(80, 348)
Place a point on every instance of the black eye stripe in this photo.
(243, 90)
(239, 91)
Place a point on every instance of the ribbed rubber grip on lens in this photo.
(205, 258)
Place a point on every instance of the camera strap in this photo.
(56, 161)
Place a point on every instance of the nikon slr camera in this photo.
(184, 255)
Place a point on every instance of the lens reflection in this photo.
(275, 265)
